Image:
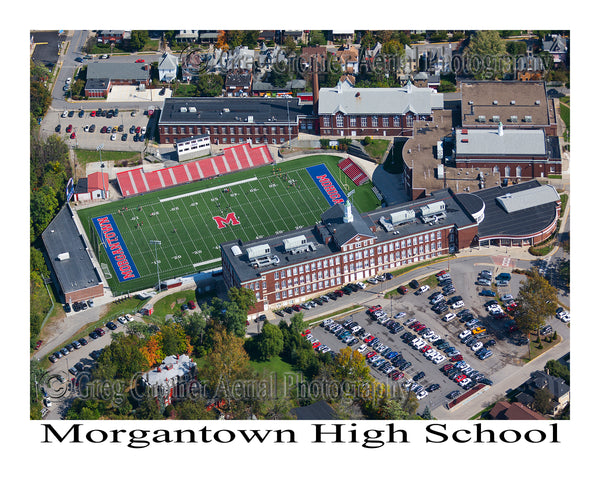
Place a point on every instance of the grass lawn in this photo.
(377, 148)
(534, 347)
(265, 204)
(88, 156)
(278, 371)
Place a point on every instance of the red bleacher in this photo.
(353, 171)
(238, 157)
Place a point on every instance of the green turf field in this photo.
(263, 200)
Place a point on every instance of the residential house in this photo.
(102, 76)
(296, 35)
(557, 387)
(208, 36)
(344, 36)
(557, 46)
(513, 411)
(238, 83)
(186, 36)
(167, 67)
(347, 56)
(112, 36)
(172, 379)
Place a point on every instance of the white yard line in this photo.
(207, 190)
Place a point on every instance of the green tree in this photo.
(138, 39)
(209, 85)
(486, 55)
(122, 358)
(194, 326)
(37, 262)
(251, 38)
(367, 40)
(227, 314)
(351, 365)
(43, 207)
(243, 297)
(269, 342)
(39, 99)
(557, 369)
(280, 74)
(316, 38)
(537, 301)
(542, 401)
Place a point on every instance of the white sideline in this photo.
(207, 190)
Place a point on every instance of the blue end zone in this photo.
(327, 184)
(115, 248)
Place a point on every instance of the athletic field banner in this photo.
(115, 248)
(327, 184)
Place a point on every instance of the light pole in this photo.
(155, 243)
(99, 150)
(289, 133)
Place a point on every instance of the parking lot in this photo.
(83, 128)
(412, 309)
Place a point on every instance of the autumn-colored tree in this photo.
(350, 365)
(152, 350)
(174, 340)
(222, 40)
(537, 301)
(226, 362)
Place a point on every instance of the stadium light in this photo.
(155, 243)
(99, 150)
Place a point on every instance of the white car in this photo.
(400, 315)
(362, 348)
(464, 382)
(434, 338)
(423, 288)
(360, 285)
(449, 316)
(113, 136)
(372, 281)
(86, 128)
(506, 298)
(439, 359)
(309, 336)
(422, 394)
(565, 317)
(458, 304)
(327, 321)
(64, 114)
(431, 353)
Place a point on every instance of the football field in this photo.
(192, 220)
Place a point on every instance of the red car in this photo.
(426, 348)
(296, 308)
(316, 344)
(369, 339)
(457, 358)
(306, 332)
(374, 308)
(137, 130)
(38, 344)
(69, 128)
(92, 114)
(371, 354)
(439, 274)
(140, 60)
(73, 135)
(447, 367)
(191, 304)
(460, 378)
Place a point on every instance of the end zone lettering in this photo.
(115, 248)
(327, 184)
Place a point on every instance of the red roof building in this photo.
(94, 187)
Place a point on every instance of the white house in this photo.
(167, 68)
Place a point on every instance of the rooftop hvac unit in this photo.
(193, 109)
(433, 208)
(528, 118)
(250, 119)
(440, 150)
(440, 171)
(183, 109)
(481, 118)
(402, 216)
(496, 118)
(236, 250)
(514, 118)
(258, 251)
(512, 102)
(63, 256)
(294, 242)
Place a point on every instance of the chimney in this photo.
(315, 84)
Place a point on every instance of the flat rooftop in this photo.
(524, 221)
(61, 237)
(456, 214)
(419, 153)
(490, 142)
(233, 110)
(510, 101)
(118, 71)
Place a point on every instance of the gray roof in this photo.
(511, 142)
(513, 202)
(297, 83)
(456, 214)
(232, 110)
(356, 101)
(167, 62)
(498, 222)
(171, 367)
(557, 386)
(61, 236)
(343, 232)
(118, 71)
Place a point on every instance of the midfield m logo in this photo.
(229, 219)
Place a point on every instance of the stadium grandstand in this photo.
(238, 157)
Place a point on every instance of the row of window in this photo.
(233, 140)
(364, 121)
(199, 130)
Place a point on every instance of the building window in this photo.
(353, 121)
(409, 121)
(339, 120)
(363, 121)
(396, 121)
(374, 121)
(326, 121)
(385, 121)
